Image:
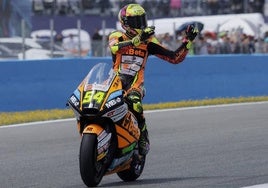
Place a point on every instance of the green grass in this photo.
(8, 118)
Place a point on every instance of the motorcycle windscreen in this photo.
(96, 85)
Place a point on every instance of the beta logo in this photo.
(136, 52)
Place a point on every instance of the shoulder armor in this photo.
(116, 34)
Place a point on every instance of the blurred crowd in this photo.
(206, 43)
(220, 43)
(155, 8)
(234, 42)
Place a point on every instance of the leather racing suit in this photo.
(129, 62)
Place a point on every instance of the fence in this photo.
(47, 84)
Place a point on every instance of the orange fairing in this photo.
(93, 128)
(127, 132)
(116, 85)
(124, 138)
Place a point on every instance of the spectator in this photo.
(96, 35)
(162, 9)
(259, 45)
(201, 46)
(58, 39)
(245, 44)
(251, 45)
(175, 6)
(97, 43)
(104, 5)
(257, 5)
(37, 6)
(74, 6)
(88, 4)
(63, 3)
(211, 40)
(248, 46)
(5, 15)
(224, 44)
(70, 45)
(212, 6)
(235, 46)
(146, 4)
(168, 42)
(237, 6)
(49, 6)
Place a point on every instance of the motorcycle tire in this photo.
(135, 170)
(91, 171)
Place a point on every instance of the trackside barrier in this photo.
(47, 84)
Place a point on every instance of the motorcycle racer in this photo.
(130, 50)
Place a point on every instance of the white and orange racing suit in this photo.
(129, 61)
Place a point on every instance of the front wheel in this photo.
(135, 170)
(91, 171)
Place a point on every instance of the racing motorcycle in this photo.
(109, 130)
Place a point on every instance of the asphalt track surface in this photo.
(206, 147)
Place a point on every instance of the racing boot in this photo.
(144, 143)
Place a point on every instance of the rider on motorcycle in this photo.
(130, 51)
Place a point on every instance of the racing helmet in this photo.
(133, 18)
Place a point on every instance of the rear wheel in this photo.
(91, 171)
(136, 169)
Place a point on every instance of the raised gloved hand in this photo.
(136, 40)
(147, 32)
(191, 32)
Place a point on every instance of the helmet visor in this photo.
(137, 22)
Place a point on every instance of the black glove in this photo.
(191, 32)
(147, 32)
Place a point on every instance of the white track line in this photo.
(257, 186)
(208, 106)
